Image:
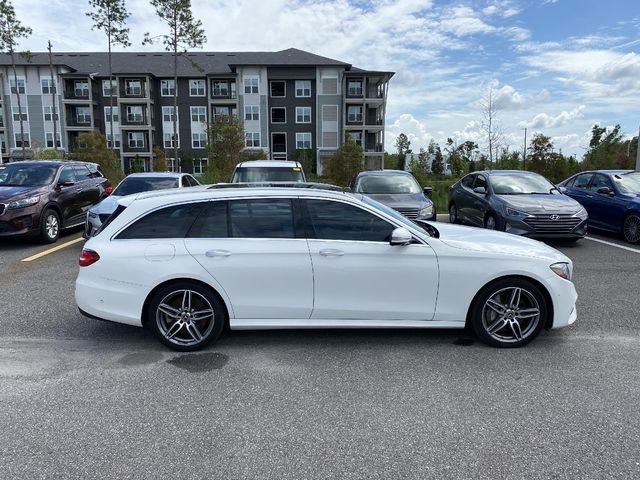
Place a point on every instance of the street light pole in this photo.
(638, 154)
(524, 150)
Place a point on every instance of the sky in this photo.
(555, 66)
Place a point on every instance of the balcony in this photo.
(78, 116)
(136, 142)
(133, 88)
(223, 89)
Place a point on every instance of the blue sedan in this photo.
(612, 199)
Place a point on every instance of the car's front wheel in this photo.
(631, 228)
(490, 222)
(49, 226)
(509, 313)
(186, 316)
(453, 213)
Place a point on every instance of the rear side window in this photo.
(583, 180)
(261, 218)
(82, 173)
(212, 221)
(468, 181)
(168, 222)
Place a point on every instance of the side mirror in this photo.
(67, 183)
(427, 191)
(400, 236)
(480, 190)
(562, 189)
(606, 191)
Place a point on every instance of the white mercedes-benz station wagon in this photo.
(185, 264)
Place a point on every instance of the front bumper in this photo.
(19, 221)
(545, 230)
(563, 296)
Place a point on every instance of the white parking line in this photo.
(52, 250)
(613, 244)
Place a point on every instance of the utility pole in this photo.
(638, 153)
(54, 90)
(524, 150)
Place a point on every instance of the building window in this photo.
(354, 88)
(134, 114)
(354, 113)
(167, 88)
(108, 111)
(136, 139)
(19, 140)
(303, 140)
(278, 143)
(170, 140)
(20, 113)
(278, 88)
(199, 114)
(200, 165)
(198, 140)
(196, 88)
(252, 139)
(303, 88)
(173, 165)
(222, 112)
(251, 112)
(81, 88)
(330, 86)
(251, 85)
(47, 86)
(49, 140)
(278, 115)
(117, 137)
(220, 88)
(3, 144)
(356, 137)
(168, 114)
(110, 91)
(303, 114)
(133, 87)
(83, 115)
(21, 85)
(48, 113)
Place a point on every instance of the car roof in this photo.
(50, 162)
(608, 172)
(269, 163)
(503, 172)
(381, 173)
(157, 174)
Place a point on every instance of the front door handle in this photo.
(218, 253)
(331, 252)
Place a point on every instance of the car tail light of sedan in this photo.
(108, 190)
(88, 257)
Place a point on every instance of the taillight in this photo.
(108, 190)
(88, 257)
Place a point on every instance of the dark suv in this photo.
(44, 197)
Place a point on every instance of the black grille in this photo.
(553, 223)
(409, 212)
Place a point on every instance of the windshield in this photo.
(17, 175)
(523, 184)
(628, 183)
(132, 185)
(389, 211)
(385, 184)
(267, 174)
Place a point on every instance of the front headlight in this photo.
(25, 202)
(582, 214)
(512, 212)
(426, 211)
(562, 269)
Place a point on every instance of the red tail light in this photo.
(88, 257)
(108, 190)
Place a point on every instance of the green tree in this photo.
(11, 30)
(490, 124)
(403, 145)
(390, 160)
(508, 160)
(437, 167)
(92, 146)
(420, 168)
(605, 148)
(306, 157)
(255, 155)
(110, 17)
(184, 32)
(346, 163)
(225, 146)
(159, 160)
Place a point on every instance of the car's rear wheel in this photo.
(631, 228)
(490, 222)
(186, 316)
(49, 226)
(509, 313)
(453, 213)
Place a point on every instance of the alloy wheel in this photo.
(631, 228)
(490, 223)
(185, 317)
(52, 226)
(511, 315)
(453, 213)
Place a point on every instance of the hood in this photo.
(9, 193)
(401, 200)
(490, 241)
(544, 203)
(106, 206)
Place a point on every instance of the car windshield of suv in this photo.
(267, 174)
(526, 184)
(628, 183)
(16, 175)
(133, 185)
(386, 184)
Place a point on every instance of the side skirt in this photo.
(277, 324)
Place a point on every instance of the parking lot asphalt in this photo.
(89, 399)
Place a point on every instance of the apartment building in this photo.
(288, 100)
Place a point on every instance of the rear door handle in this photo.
(331, 252)
(218, 253)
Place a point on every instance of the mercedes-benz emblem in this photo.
(554, 217)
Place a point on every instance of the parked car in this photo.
(257, 171)
(612, 199)
(131, 184)
(518, 202)
(396, 189)
(185, 264)
(44, 197)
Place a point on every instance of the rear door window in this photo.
(168, 222)
(212, 221)
(261, 218)
(583, 180)
(82, 173)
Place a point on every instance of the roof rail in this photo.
(312, 185)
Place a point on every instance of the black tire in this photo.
(453, 213)
(50, 226)
(497, 324)
(176, 325)
(631, 228)
(490, 222)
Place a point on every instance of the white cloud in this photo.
(412, 127)
(507, 98)
(542, 120)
